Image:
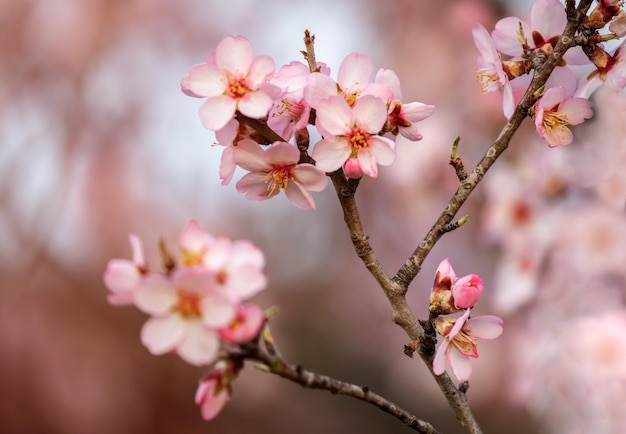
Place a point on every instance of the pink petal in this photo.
(552, 97)
(310, 177)
(354, 72)
(193, 238)
(261, 67)
(227, 165)
(548, 18)
(508, 101)
(417, 111)
(505, 36)
(156, 295)
(370, 112)
(484, 327)
(162, 334)
(217, 111)
(330, 154)
(243, 252)
(439, 363)
(335, 116)
(248, 323)
(390, 78)
(217, 310)
(282, 154)
(249, 155)
(383, 148)
(411, 133)
(367, 160)
(246, 282)
(484, 44)
(200, 345)
(461, 364)
(254, 186)
(234, 55)
(210, 403)
(318, 88)
(203, 81)
(299, 196)
(458, 325)
(255, 104)
(121, 276)
(576, 110)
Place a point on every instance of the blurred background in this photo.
(97, 141)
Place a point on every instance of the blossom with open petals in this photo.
(459, 342)
(186, 310)
(401, 118)
(277, 169)
(554, 112)
(290, 112)
(490, 70)
(122, 277)
(231, 79)
(352, 132)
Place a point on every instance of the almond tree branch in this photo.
(272, 362)
(396, 287)
(409, 270)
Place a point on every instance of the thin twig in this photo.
(312, 380)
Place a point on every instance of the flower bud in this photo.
(467, 290)
(441, 301)
(352, 168)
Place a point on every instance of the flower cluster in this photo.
(449, 295)
(515, 48)
(197, 304)
(357, 118)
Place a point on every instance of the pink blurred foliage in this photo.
(90, 92)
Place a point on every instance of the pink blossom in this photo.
(238, 268)
(245, 326)
(547, 22)
(490, 72)
(352, 132)
(232, 79)
(122, 277)
(277, 169)
(214, 391)
(290, 112)
(353, 81)
(459, 342)
(467, 290)
(553, 112)
(402, 117)
(187, 308)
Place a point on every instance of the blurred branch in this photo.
(272, 362)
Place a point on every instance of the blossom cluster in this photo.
(358, 119)
(515, 48)
(450, 295)
(196, 305)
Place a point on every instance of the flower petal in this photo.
(484, 327)
(354, 72)
(370, 112)
(548, 18)
(217, 310)
(249, 155)
(299, 196)
(310, 177)
(200, 345)
(156, 295)
(234, 55)
(255, 104)
(439, 363)
(217, 111)
(162, 334)
(330, 154)
(384, 149)
(335, 116)
(460, 363)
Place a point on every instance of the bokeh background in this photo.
(97, 141)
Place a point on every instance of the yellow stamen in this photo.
(188, 304)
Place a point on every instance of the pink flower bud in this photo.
(441, 295)
(467, 290)
(352, 168)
